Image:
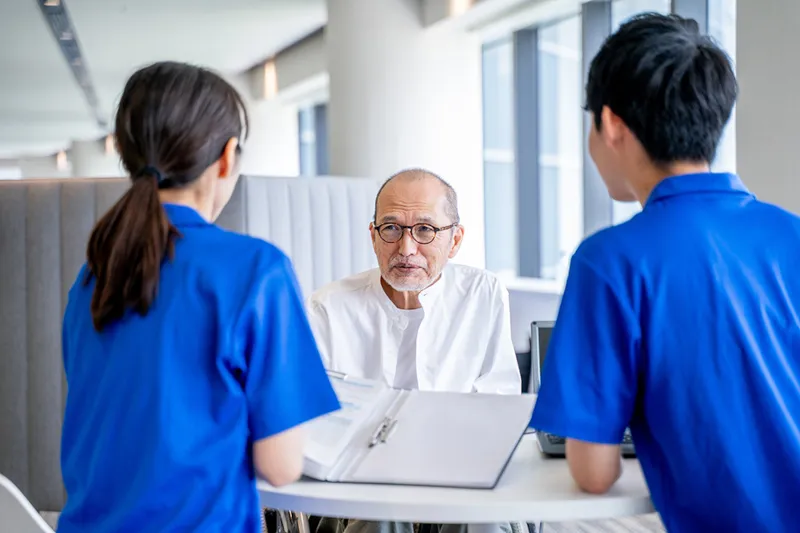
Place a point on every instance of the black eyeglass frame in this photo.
(410, 229)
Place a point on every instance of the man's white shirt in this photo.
(462, 344)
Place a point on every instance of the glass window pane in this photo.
(548, 92)
(561, 144)
(500, 198)
(622, 10)
(722, 27)
(501, 217)
(498, 102)
(308, 148)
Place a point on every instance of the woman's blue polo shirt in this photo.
(162, 410)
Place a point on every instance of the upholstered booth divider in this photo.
(320, 223)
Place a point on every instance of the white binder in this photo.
(387, 436)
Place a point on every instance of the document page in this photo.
(330, 434)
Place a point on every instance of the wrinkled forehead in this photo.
(412, 200)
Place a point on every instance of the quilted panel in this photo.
(13, 338)
(43, 329)
(320, 223)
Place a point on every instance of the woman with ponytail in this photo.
(190, 363)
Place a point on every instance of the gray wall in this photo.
(768, 114)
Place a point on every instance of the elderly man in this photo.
(417, 322)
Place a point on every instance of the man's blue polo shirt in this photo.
(162, 410)
(684, 323)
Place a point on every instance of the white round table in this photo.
(533, 489)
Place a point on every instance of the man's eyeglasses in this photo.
(422, 233)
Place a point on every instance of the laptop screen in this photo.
(544, 340)
(540, 335)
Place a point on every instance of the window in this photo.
(622, 10)
(313, 138)
(308, 142)
(561, 143)
(498, 157)
(542, 192)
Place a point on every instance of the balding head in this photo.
(412, 174)
(422, 209)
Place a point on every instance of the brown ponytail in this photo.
(173, 122)
(125, 252)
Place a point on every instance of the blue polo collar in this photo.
(181, 215)
(698, 183)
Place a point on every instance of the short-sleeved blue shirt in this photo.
(162, 410)
(684, 323)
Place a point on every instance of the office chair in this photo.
(18, 514)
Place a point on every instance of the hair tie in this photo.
(150, 170)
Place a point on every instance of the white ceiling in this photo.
(41, 106)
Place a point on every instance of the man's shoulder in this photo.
(473, 279)
(343, 290)
(777, 213)
(608, 241)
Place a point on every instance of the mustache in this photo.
(403, 262)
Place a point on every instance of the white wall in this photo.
(9, 169)
(401, 96)
(42, 167)
(768, 113)
(272, 148)
(90, 160)
(304, 60)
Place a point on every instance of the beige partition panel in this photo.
(320, 223)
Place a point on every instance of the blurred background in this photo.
(487, 93)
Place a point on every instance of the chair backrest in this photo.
(321, 223)
(17, 515)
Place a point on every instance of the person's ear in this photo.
(458, 237)
(372, 233)
(227, 162)
(612, 128)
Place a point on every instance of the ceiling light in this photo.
(459, 7)
(66, 36)
(110, 148)
(270, 79)
(52, 3)
(61, 161)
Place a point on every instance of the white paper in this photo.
(329, 435)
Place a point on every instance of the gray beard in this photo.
(419, 287)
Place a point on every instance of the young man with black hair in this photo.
(684, 322)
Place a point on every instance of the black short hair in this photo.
(672, 86)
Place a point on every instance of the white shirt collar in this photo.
(426, 296)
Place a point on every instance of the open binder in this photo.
(388, 436)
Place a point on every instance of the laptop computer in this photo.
(555, 445)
